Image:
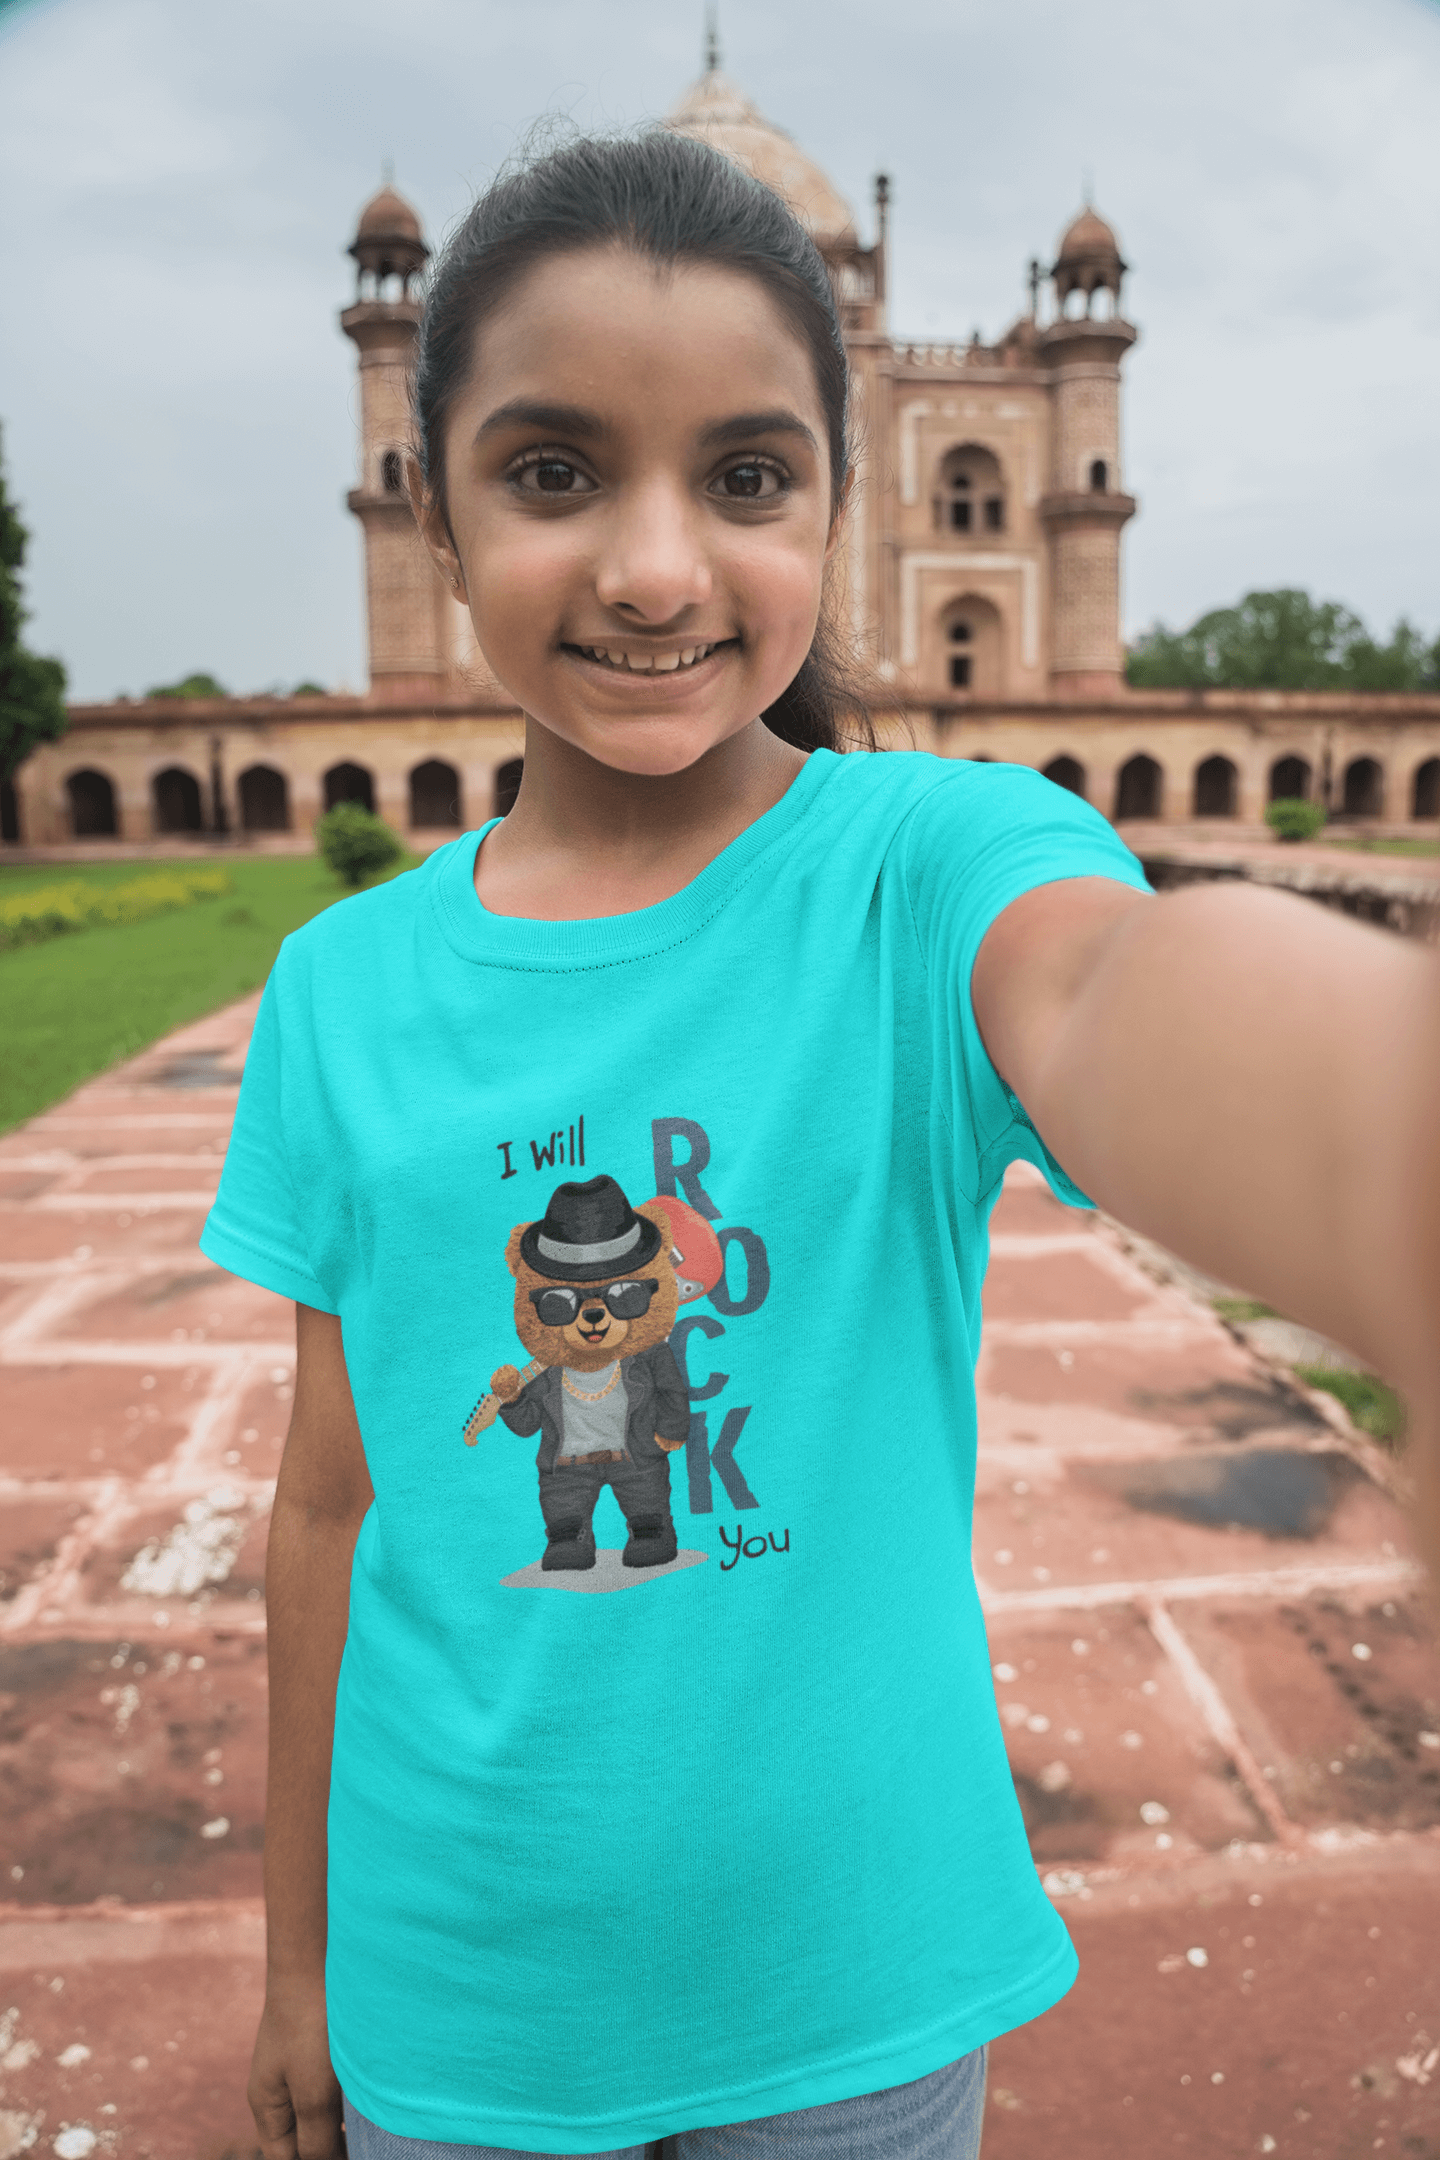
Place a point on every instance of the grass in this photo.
(77, 1004)
(1427, 848)
(1373, 1406)
(1239, 1309)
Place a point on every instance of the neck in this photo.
(584, 839)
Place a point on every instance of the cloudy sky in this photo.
(180, 182)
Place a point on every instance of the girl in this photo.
(727, 1854)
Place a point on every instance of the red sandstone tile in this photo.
(119, 1760)
(1031, 1210)
(104, 1234)
(30, 1531)
(167, 2026)
(122, 1177)
(190, 1551)
(94, 1420)
(1207, 1388)
(1076, 1530)
(20, 1184)
(1303, 2034)
(1100, 1732)
(195, 1303)
(262, 1422)
(1342, 1732)
(1062, 1286)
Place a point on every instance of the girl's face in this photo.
(638, 490)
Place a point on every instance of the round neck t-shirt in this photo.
(750, 1811)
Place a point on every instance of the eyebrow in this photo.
(779, 421)
(551, 419)
(575, 422)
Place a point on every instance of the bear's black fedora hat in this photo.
(590, 1233)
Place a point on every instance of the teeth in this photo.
(648, 663)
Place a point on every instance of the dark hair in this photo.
(674, 200)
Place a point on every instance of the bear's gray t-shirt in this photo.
(593, 1412)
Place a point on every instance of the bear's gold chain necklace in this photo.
(587, 1394)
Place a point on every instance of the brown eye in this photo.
(750, 483)
(549, 475)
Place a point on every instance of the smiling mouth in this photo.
(594, 1335)
(623, 661)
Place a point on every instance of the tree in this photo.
(1282, 641)
(32, 690)
(355, 843)
(198, 685)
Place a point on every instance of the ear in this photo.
(434, 530)
(512, 1249)
(654, 1211)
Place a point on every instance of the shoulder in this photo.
(348, 950)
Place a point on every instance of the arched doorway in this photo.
(970, 498)
(264, 800)
(175, 801)
(1289, 780)
(1216, 788)
(970, 652)
(1139, 787)
(507, 785)
(349, 783)
(92, 806)
(1067, 772)
(435, 795)
(1364, 788)
(1425, 790)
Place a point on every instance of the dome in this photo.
(388, 241)
(1089, 258)
(387, 216)
(717, 111)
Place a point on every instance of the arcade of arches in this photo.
(152, 772)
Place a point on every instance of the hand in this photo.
(505, 1382)
(293, 2092)
(668, 1445)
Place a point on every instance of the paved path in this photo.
(1212, 1656)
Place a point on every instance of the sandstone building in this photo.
(980, 579)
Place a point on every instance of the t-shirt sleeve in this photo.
(255, 1228)
(974, 844)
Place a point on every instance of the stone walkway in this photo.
(1213, 1654)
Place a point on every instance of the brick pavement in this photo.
(1213, 1654)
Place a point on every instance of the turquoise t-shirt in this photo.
(736, 1834)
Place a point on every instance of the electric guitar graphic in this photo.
(485, 1412)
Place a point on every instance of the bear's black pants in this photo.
(568, 1493)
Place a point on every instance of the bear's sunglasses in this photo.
(626, 1300)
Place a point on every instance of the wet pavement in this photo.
(1214, 1657)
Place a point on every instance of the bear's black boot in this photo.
(651, 1542)
(572, 1546)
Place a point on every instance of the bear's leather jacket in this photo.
(655, 1390)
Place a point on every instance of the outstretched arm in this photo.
(1250, 1080)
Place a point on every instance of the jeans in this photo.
(935, 2118)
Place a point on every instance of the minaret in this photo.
(406, 603)
(1085, 506)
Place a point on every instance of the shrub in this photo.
(49, 911)
(355, 843)
(1293, 819)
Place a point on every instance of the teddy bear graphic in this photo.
(597, 1285)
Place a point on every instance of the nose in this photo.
(593, 1315)
(654, 564)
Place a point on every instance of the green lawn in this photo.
(1385, 847)
(75, 1004)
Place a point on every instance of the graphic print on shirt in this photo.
(598, 1286)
